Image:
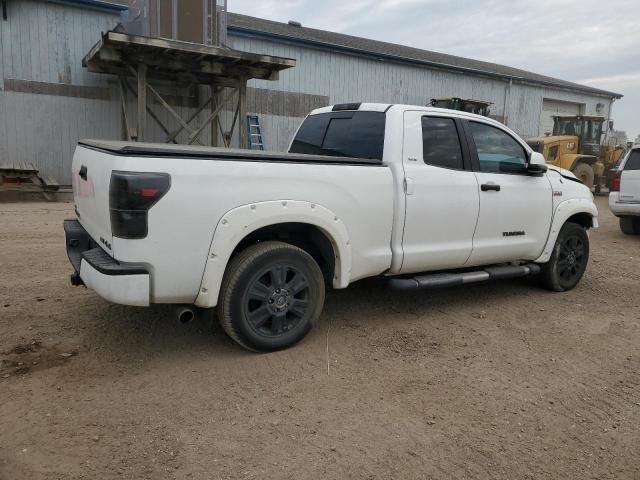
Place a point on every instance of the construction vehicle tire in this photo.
(585, 173)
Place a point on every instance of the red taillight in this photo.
(615, 183)
(150, 192)
(131, 195)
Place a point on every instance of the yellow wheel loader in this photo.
(575, 146)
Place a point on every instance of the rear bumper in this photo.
(126, 284)
(623, 209)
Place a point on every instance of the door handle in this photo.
(486, 187)
(83, 172)
(408, 186)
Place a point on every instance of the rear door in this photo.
(515, 208)
(441, 194)
(630, 179)
(90, 176)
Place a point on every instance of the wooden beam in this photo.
(151, 113)
(235, 119)
(142, 102)
(171, 111)
(123, 100)
(177, 132)
(242, 111)
(215, 125)
(193, 48)
(211, 117)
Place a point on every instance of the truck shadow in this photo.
(121, 332)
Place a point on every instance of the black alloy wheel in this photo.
(277, 300)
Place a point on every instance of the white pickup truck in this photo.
(425, 196)
(624, 198)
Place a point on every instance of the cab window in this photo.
(498, 152)
(441, 143)
(345, 134)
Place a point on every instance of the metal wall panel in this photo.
(346, 78)
(48, 101)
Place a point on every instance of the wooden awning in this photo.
(181, 62)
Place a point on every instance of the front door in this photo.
(515, 208)
(442, 201)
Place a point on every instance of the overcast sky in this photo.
(594, 42)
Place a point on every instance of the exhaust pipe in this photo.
(185, 314)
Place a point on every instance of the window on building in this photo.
(498, 151)
(441, 143)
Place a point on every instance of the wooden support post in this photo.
(151, 114)
(242, 112)
(123, 100)
(142, 102)
(235, 118)
(215, 125)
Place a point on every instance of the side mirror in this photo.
(537, 164)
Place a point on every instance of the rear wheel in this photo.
(585, 173)
(568, 260)
(630, 225)
(271, 296)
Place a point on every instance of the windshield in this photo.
(591, 130)
(566, 127)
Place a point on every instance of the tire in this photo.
(630, 225)
(585, 173)
(271, 296)
(569, 259)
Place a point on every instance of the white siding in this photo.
(348, 78)
(45, 42)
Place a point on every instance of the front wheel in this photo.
(568, 260)
(271, 296)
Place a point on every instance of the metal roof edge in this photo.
(247, 31)
(99, 5)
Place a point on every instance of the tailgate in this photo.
(90, 175)
(630, 179)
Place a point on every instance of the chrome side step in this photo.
(441, 280)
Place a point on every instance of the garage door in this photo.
(550, 108)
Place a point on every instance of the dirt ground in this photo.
(499, 380)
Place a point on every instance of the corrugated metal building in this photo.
(48, 101)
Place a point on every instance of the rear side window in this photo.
(498, 152)
(441, 143)
(633, 162)
(342, 134)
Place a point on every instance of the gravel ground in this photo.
(500, 380)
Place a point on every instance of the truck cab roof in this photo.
(401, 108)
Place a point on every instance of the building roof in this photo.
(105, 5)
(244, 24)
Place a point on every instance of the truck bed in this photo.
(207, 184)
(163, 150)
